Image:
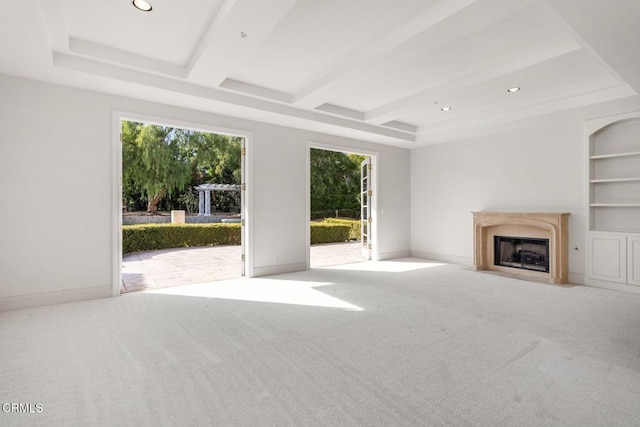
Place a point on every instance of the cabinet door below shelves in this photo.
(633, 254)
(607, 257)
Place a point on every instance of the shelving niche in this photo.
(613, 235)
(614, 177)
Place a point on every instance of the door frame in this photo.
(116, 186)
(375, 250)
(366, 197)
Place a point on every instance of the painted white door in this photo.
(607, 257)
(365, 207)
(633, 261)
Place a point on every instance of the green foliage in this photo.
(213, 159)
(165, 236)
(342, 213)
(152, 162)
(133, 196)
(329, 233)
(335, 180)
(189, 200)
(161, 163)
(354, 230)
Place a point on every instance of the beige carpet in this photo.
(393, 343)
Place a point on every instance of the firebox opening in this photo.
(524, 253)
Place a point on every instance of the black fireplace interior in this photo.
(517, 252)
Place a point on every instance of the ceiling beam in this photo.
(310, 96)
(606, 29)
(215, 22)
(222, 47)
(118, 56)
(116, 72)
(472, 77)
(52, 16)
(479, 119)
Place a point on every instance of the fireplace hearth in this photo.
(535, 244)
(524, 253)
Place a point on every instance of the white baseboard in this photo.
(394, 255)
(612, 286)
(279, 269)
(576, 278)
(451, 259)
(57, 297)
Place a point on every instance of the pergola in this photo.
(204, 194)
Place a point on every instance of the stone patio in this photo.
(183, 266)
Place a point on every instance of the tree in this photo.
(132, 194)
(213, 159)
(162, 165)
(152, 162)
(335, 180)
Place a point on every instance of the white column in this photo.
(207, 203)
(200, 202)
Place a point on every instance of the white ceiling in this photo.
(374, 69)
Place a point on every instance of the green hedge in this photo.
(149, 237)
(343, 213)
(329, 233)
(354, 232)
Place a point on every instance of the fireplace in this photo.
(534, 245)
(516, 252)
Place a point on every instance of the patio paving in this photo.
(183, 266)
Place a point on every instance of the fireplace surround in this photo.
(529, 227)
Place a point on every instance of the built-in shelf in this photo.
(615, 205)
(610, 156)
(613, 188)
(598, 181)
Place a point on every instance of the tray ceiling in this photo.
(375, 69)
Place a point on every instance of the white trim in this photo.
(278, 269)
(395, 255)
(612, 286)
(576, 278)
(116, 206)
(450, 259)
(375, 253)
(56, 297)
(117, 117)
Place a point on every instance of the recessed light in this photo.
(513, 89)
(446, 108)
(142, 5)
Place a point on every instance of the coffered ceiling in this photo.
(374, 69)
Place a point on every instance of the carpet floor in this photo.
(394, 343)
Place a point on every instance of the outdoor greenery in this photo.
(162, 165)
(150, 237)
(322, 232)
(335, 183)
(354, 231)
(164, 236)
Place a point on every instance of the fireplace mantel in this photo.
(552, 226)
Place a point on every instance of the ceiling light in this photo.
(446, 108)
(142, 5)
(513, 89)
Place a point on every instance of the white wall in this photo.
(536, 167)
(56, 190)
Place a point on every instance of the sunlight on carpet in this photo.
(262, 290)
(395, 266)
